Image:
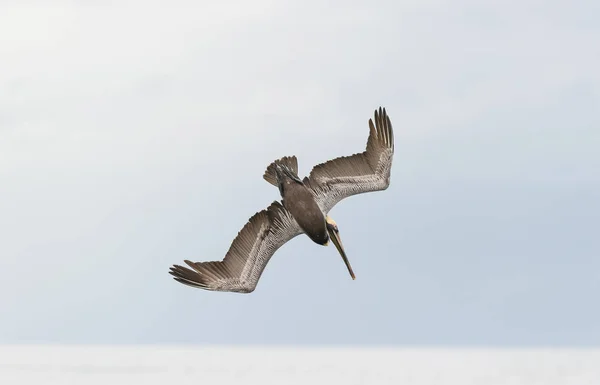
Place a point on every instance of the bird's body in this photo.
(301, 203)
(304, 209)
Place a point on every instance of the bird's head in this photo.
(334, 235)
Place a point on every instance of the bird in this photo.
(303, 209)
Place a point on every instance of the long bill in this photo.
(334, 234)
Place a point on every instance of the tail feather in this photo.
(290, 161)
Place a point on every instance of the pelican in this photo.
(303, 209)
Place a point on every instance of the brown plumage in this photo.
(300, 201)
(304, 208)
(240, 270)
(288, 161)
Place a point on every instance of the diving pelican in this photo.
(303, 209)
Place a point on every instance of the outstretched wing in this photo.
(240, 270)
(368, 171)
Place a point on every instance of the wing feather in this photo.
(248, 255)
(368, 171)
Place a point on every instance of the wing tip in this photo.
(187, 277)
(383, 127)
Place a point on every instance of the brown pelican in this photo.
(303, 209)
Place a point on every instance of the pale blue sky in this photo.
(134, 136)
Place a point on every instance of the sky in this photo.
(134, 135)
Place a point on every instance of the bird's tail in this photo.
(288, 161)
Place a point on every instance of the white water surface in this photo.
(274, 365)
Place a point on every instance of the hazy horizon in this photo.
(159, 365)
